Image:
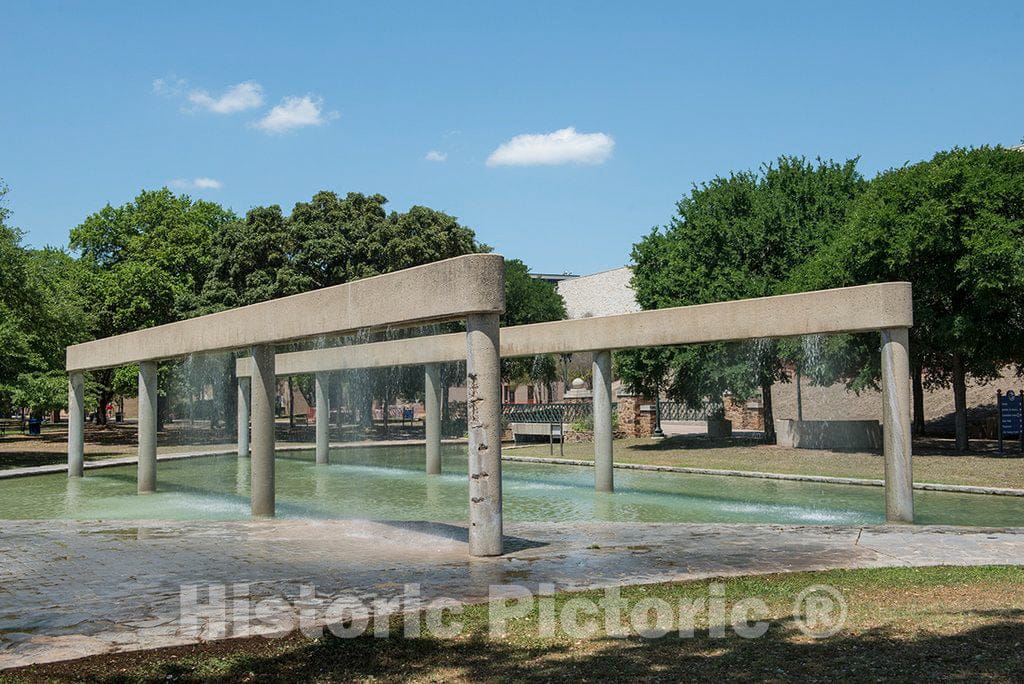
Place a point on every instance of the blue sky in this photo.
(261, 103)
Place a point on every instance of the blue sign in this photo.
(1010, 413)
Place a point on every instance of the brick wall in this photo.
(744, 415)
(636, 416)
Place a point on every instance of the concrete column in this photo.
(483, 405)
(147, 426)
(244, 385)
(896, 443)
(604, 480)
(76, 424)
(432, 419)
(323, 419)
(261, 462)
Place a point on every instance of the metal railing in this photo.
(676, 410)
(566, 412)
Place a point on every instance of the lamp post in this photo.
(658, 433)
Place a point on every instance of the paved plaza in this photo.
(70, 589)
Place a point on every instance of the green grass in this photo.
(930, 465)
(906, 624)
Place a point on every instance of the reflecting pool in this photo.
(388, 483)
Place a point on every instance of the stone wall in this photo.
(744, 415)
(636, 416)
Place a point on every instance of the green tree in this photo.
(327, 241)
(954, 227)
(253, 261)
(148, 262)
(16, 353)
(41, 312)
(735, 238)
(41, 392)
(530, 300)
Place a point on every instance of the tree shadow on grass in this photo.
(990, 652)
(696, 442)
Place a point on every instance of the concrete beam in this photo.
(845, 310)
(443, 290)
(866, 308)
(413, 351)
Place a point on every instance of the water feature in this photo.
(389, 483)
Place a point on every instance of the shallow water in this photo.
(388, 483)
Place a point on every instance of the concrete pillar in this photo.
(483, 405)
(432, 419)
(896, 442)
(261, 465)
(147, 426)
(323, 419)
(76, 424)
(604, 480)
(244, 385)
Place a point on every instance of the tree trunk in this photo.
(918, 386)
(960, 402)
(101, 409)
(769, 414)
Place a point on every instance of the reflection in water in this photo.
(72, 496)
(389, 483)
(241, 475)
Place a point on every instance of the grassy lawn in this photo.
(903, 623)
(19, 451)
(931, 463)
(120, 440)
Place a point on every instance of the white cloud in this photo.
(172, 86)
(295, 112)
(200, 183)
(237, 98)
(564, 146)
(435, 156)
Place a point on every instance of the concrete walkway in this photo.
(70, 589)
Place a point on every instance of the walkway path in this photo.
(70, 589)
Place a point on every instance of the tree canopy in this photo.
(953, 226)
(737, 237)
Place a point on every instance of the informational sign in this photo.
(1010, 417)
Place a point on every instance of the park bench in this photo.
(536, 432)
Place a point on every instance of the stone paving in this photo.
(70, 589)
